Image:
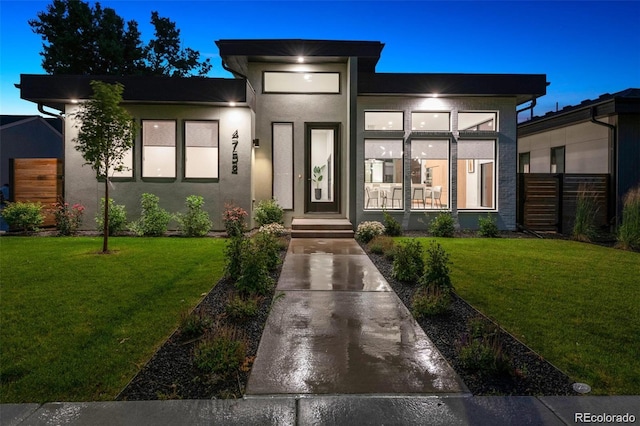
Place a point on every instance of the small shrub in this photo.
(239, 308)
(483, 356)
(267, 245)
(442, 225)
(368, 230)
(234, 219)
(274, 229)
(154, 220)
(430, 301)
(408, 263)
(221, 352)
(487, 227)
(117, 217)
(254, 277)
(68, 220)
(381, 245)
(23, 216)
(629, 230)
(268, 211)
(392, 227)
(233, 256)
(196, 222)
(436, 272)
(193, 324)
(584, 228)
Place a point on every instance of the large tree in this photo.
(81, 39)
(106, 133)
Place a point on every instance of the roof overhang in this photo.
(524, 87)
(54, 91)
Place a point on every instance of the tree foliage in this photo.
(80, 39)
(106, 133)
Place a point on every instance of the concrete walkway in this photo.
(339, 348)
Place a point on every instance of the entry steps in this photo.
(321, 228)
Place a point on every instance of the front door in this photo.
(322, 165)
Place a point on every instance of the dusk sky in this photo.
(585, 48)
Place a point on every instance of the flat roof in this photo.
(54, 91)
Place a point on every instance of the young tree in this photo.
(106, 133)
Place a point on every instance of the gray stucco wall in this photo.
(81, 185)
(505, 212)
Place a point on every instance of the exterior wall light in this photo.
(256, 143)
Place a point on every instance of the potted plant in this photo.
(317, 178)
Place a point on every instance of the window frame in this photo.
(402, 159)
(384, 112)
(449, 113)
(293, 92)
(521, 165)
(293, 150)
(175, 147)
(553, 156)
(495, 176)
(496, 114)
(186, 178)
(449, 176)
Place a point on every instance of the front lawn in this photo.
(76, 325)
(576, 304)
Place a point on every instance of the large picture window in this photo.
(201, 149)
(431, 121)
(429, 174)
(383, 172)
(476, 174)
(283, 164)
(477, 121)
(383, 120)
(159, 148)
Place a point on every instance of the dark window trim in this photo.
(151, 178)
(265, 72)
(293, 156)
(497, 120)
(450, 140)
(364, 120)
(552, 151)
(404, 158)
(184, 151)
(495, 179)
(433, 112)
(520, 155)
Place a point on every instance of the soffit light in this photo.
(74, 101)
(232, 104)
(300, 59)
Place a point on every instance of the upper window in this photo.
(477, 121)
(430, 121)
(201, 149)
(429, 173)
(557, 159)
(159, 148)
(476, 174)
(524, 162)
(383, 120)
(383, 173)
(301, 82)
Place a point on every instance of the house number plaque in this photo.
(234, 154)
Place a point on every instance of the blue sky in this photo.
(585, 48)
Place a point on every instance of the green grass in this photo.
(576, 304)
(77, 325)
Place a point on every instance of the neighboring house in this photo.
(311, 123)
(600, 136)
(28, 136)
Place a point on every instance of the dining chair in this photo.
(396, 195)
(372, 196)
(437, 193)
(418, 196)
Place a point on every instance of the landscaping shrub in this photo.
(221, 352)
(233, 256)
(268, 211)
(368, 230)
(487, 227)
(154, 220)
(392, 227)
(68, 220)
(430, 301)
(480, 349)
(629, 230)
(381, 245)
(193, 324)
(584, 228)
(436, 271)
(254, 277)
(196, 222)
(240, 308)
(267, 245)
(234, 219)
(23, 216)
(442, 225)
(117, 217)
(274, 229)
(408, 263)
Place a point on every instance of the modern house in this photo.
(599, 136)
(313, 125)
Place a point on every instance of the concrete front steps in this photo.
(321, 228)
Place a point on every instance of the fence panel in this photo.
(37, 180)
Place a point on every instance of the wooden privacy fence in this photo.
(547, 202)
(37, 180)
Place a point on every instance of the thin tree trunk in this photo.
(105, 228)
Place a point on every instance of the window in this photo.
(201, 149)
(387, 120)
(477, 121)
(429, 173)
(283, 164)
(430, 121)
(127, 171)
(476, 174)
(524, 161)
(557, 159)
(383, 172)
(301, 82)
(159, 148)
